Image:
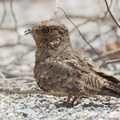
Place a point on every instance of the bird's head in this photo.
(49, 34)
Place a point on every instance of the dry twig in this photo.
(108, 54)
(110, 62)
(111, 14)
(11, 75)
(14, 17)
(4, 13)
(80, 33)
(21, 92)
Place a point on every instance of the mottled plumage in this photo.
(63, 70)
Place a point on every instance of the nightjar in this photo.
(66, 71)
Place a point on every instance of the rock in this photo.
(52, 106)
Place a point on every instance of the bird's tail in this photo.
(111, 86)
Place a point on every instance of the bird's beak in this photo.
(29, 31)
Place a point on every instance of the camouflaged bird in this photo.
(61, 69)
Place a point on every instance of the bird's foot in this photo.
(67, 103)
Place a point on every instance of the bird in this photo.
(64, 70)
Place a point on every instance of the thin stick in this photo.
(4, 13)
(97, 36)
(2, 75)
(79, 25)
(80, 33)
(56, 9)
(33, 91)
(105, 14)
(110, 53)
(111, 14)
(14, 17)
(11, 7)
(102, 40)
(21, 92)
(110, 62)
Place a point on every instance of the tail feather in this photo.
(110, 89)
(107, 92)
(111, 86)
(109, 77)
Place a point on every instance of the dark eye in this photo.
(45, 30)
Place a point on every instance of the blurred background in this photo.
(91, 17)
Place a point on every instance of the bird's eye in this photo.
(45, 30)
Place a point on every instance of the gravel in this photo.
(42, 107)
